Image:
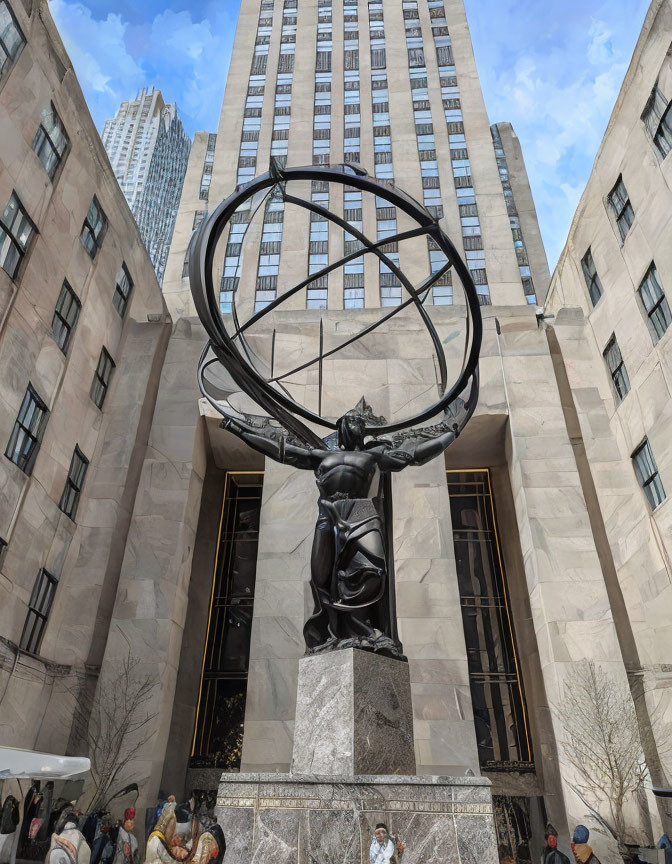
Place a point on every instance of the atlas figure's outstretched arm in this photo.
(418, 451)
(275, 448)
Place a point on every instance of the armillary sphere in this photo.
(229, 346)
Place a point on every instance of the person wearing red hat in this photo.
(126, 850)
(551, 854)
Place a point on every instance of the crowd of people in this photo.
(56, 832)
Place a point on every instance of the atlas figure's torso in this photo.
(346, 473)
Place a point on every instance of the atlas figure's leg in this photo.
(364, 559)
(316, 631)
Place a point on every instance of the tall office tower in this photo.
(418, 121)
(149, 150)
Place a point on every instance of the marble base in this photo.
(286, 819)
(354, 715)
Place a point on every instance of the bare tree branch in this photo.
(114, 723)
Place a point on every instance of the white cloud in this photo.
(185, 57)
(105, 69)
(555, 76)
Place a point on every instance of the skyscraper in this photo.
(149, 150)
(393, 88)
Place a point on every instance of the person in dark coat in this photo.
(551, 854)
(216, 831)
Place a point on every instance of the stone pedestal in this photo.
(353, 765)
(285, 819)
(353, 716)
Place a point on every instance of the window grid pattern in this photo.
(619, 201)
(646, 471)
(66, 313)
(122, 291)
(41, 601)
(218, 733)
(268, 266)
(461, 166)
(12, 39)
(317, 292)
(497, 692)
(101, 378)
(51, 141)
(386, 216)
(655, 303)
(16, 232)
(206, 173)
(353, 271)
(514, 219)
(26, 437)
(442, 289)
(617, 369)
(73, 484)
(94, 228)
(592, 279)
(249, 147)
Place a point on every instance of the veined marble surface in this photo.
(353, 715)
(329, 820)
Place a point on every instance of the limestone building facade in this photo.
(83, 332)
(530, 547)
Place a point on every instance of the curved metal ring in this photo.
(206, 299)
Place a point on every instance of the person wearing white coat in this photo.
(382, 848)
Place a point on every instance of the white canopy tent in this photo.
(28, 765)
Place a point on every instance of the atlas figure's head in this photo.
(351, 428)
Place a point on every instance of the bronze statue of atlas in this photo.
(352, 562)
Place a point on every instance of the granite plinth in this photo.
(354, 715)
(286, 819)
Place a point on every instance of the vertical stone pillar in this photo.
(570, 605)
(281, 601)
(430, 622)
(151, 601)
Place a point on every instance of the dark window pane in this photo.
(219, 728)
(122, 291)
(94, 228)
(65, 317)
(16, 231)
(26, 436)
(496, 688)
(646, 471)
(41, 601)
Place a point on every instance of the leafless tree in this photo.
(603, 744)
(115, 724)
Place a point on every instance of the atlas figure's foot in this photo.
(377, 644)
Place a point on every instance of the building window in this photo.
(592, 279)
(655, 303)
(51, 141)
(101, 379)
(498, 699)
(94, 228)
(39, 608)
(657, 118)
(26, 436)
(65, 317)
(122, 291)
(646, 471)
(16, 231)
(617, 370)
(199, 216)
(218, 736)
(12, 39)
(621, 208)
(73, 484)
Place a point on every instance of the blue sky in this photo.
(553, 68)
